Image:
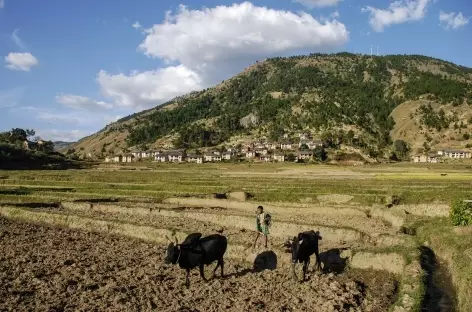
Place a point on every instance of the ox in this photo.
(302, 247)
(197, 251)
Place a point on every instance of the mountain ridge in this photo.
(325, 94)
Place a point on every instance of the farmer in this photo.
(262, 225)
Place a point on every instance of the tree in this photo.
(466, 136)
(401, 148)
(320, 154)
(291, 157)
(304, 146)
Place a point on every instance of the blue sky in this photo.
(71, 67)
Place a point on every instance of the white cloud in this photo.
(81, 102)
(453, 20)
(17, 40)
(147, 89)
(2, 4)
(137, 25)
(318, 3)
(20, 61)
(398, 12)
(62, 135)
(203, 47)
(335, 14)
(241, 31)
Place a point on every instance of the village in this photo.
(300, 150)
(286, 150)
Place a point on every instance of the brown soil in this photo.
(53, 269)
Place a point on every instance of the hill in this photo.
(357, 101)
(60, 145)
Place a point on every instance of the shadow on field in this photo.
(332, 261)
(439, 291)
(56, 205)
(97, 200)
(266, 260)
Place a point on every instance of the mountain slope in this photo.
(362, 101)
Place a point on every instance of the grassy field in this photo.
(266, 182)
(348, 203)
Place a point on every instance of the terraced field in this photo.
(99, 236)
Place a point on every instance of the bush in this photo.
(461, 213)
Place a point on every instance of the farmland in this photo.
(95, 239)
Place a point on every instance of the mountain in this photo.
(60, 145)
(347, 100)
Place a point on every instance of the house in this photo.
(127, 158)
(194, 158)
(265, 158)
(211, 157)
(259, 146)
(420, 158)
(261, 151)
(271, 146)
(250, 154)
(161, 157)
(286, 145)
(136, 154)
(434, 158)
(108, 159)
(305, 155)
(455, 154)
(226, 156)
(279, 157)
(176, 157)
(116, 158)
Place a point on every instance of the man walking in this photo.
(262, 225)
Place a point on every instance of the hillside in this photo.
(60, 145)
(345, 99)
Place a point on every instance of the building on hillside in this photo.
(136, 154)
(108, 159)
(127, 158)
(265, 158)
(161, 157)
(26, 145)
(226, 156)
(250, 154)
(271, 146)
(116, 158)
(177, 157)
(420, 158)
(279, 157)
(194, 158)
(434, 158)
(455, 154)
(287, 145)
(261, 151)
(212, 157)
(305, 155)
(259, 146)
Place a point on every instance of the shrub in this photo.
(461, 213)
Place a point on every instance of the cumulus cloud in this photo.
(20, 61)
(146, 89)
(453, 20)
(318, 3)
(398, 12)
(227, 33)
(203, 47)
(81, 102)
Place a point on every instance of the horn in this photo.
(176, 240)
(168, 239)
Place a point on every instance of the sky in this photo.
(71, 67)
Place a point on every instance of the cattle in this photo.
(197, 251)
(302, 247)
